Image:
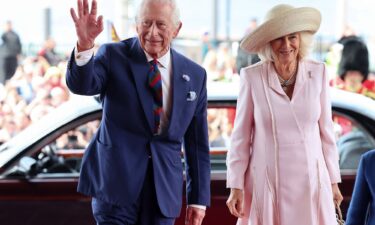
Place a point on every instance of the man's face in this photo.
(156, 29)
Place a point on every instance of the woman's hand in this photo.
(235, 202)
(337, 197)
(88, 27)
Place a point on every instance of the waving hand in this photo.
(88, 26)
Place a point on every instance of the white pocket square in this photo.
(191, 96)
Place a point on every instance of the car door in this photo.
(41, 186)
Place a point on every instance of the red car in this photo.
(39, 168)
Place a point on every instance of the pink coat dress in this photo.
(283, 152)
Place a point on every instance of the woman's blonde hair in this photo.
(306, 40)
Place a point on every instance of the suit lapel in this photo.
(179, 87)
(140, 67)
(301, 78)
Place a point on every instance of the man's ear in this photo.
(177, 30)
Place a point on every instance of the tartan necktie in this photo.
(155, 83)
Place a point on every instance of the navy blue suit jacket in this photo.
(362, 206)
(115, 162)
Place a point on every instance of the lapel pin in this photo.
(186, 77)
(310, 74)
(191, 96)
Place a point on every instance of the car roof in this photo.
(218, 91)
(354, 102)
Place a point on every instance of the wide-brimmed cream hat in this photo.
(279, 21)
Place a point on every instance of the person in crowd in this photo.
(154, 100)
(225, 63)
(53, 77)
(48, 52)
(283, 165)
(353, 68)
(361, 209)
(206, 44)
(210, 64)
(219, 63)
(244, 58)
(10, 51)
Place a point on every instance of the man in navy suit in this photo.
(132, 167)
(362, 206)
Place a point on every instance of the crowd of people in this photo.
(35, 88)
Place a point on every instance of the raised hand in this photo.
(88, 26)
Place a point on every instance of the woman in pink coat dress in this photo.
(283, 163)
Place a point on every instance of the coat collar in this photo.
(180, 88)
(274, 83)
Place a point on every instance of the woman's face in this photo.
(285, 49)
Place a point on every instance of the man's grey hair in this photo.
(306, 40)
(172, 3)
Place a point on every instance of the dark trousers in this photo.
(145, 211)
(10, 66)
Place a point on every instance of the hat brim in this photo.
(295, 20)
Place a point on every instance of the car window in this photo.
(66, 150)
(65, 153)
(77, 138)
(352, 140)
(62, 155)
